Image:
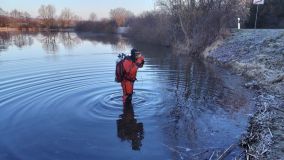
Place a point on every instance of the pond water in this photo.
(58, 100)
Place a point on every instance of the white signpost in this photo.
(239, 24)
(257, 2)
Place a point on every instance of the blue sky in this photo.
(81, 7)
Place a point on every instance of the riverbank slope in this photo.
(258, 55)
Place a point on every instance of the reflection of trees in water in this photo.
(198, 93)
(17, 38)
(69, 40)
(49, 41)
(198, 85)
(118, 43)
(22, 40)
(121, 46)
(190, 82)
(5, 41)
(105, 39)
(128, 129)
(208, 96)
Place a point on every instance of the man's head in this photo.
(137, 57)
(135, 53)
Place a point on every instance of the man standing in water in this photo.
(126, 71)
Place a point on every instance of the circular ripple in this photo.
(106, 103)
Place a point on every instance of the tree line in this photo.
(47, 18)
(119, 17)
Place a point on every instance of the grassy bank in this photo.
(258, 55)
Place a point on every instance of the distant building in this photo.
(122, 30)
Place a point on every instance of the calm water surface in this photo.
(58, 100)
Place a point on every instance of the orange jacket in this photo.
(131, 68)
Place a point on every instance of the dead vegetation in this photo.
(258, 56)
(258, 140)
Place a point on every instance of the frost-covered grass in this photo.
(258, 55)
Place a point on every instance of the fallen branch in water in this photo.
(174, 150)
(270, 132)
(226, 152)
(199, 153)
(212, 155)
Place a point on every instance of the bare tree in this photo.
(16, 14)
(151, 27)
(67, 17)
(120, 16)
(15, 18)
(26, 15)
(93, 17)
(200, 22)
(47, 14)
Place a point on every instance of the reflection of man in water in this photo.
(128, 128)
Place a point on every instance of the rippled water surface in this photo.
(58, 100)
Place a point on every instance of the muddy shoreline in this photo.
(257, 55)
(10, 29)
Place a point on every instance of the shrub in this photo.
(151, 27)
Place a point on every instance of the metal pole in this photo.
(256, 17)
